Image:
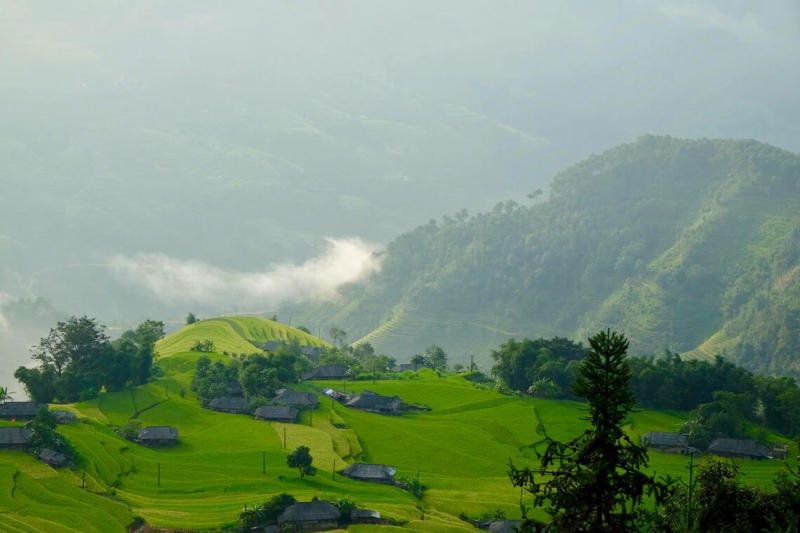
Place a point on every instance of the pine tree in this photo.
(594, 482)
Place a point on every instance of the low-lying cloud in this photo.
(344, 261)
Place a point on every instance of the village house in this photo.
(309, 516)
(293, 398)
(234, 388)
(19, 410)
(230, 404)
(371, 473)
(330, 372)
(375, 403)
(65, 417)
(739, 448)
(158, 436)
(312, 352)
(270, 346)
(667, 442)
(52, 458)
(405, 367)
(15, 437)
(276, 413)
(365, 516)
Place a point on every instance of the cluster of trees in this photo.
(597, 482)
(45, 436)
(258, 374)
(724, 399)
(434, 357)
(359, 359)
(77, 360)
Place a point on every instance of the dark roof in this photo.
(276, 412)
(504, 526)
(158, 433)
(19, 409)
(661, 438)
(745, 448)
(309, 512)
(270, 346)
(370, 471)
(229, 403)
(326, 372)
(65, 417)
(370, 400)
(312, 351)
(364, 513)
(234, 388)
(14, 435)
(296, 398)
(53, 458)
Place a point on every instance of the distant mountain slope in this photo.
(693, 245)
(233, 334)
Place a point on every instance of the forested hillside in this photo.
(691, 245)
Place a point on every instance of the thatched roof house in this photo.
(270, 346)
(276, 413)
(65, 417)
(230, 404)
(370, 472)
(19, 409)
(375, 403)
(504, 526)
(158, 436)
(310, 516)
(15, 437)
(748, 449)
(295, 398)
(326, 372)
(234, 388)
(666, 442)
(52, 458)
(365, 516)
(312, 352)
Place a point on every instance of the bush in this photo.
(413, 485)
(267, 513)
(130, 430)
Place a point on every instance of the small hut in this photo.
(329, 372)
(666, 442)
(294, 398)
(65, 417)
(276, 413)
(310, 516)
(230, 404)
(375, 403)
(52, 458)
(740, 448)
(158, 436)
(15, 437)
(19, 410)
(371, 472)
(365, 516)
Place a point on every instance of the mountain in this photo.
(692, 245)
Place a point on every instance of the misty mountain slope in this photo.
(676, 242)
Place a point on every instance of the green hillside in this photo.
(691, 245)
(233, 335)
(459, 449)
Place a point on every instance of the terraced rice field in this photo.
(459, 449)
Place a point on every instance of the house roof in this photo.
(270, 346)
(747, 448)
(234, 388)
(158, 433)
(14, 409)
(293, 397)
(364, 513)
(281, 412)
(309, 512)
(326, 372)
(233, 403)
(312, 351)
(661, 438)
(52, 457)
(371, 400)
(14, 435)
(65, 417)
(370, 471)
(504, 526)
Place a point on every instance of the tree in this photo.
(267, 513)
(338, 335)
(191, 318)
(301, 460)
(594, 482)
(4, 395)
(435, 358)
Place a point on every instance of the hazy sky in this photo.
(243, 135)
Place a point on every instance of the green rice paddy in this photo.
(460, 450)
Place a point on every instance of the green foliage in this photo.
(130, 430)
(301, 460)
(595, 481)
(345, 506)
(413, 485)
(267, 513)
(204, 346)
(434, 357)
(45, 435)
(77, 360)
(520, 365)
(669, 240)
(190, 319)
(5, 395)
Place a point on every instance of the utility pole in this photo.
(689, 514)
(263, 462)
(83, 483)
(158, 482)
(284, 437)
(471, 363)
(333, 470)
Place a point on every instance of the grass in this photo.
(460, 450)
